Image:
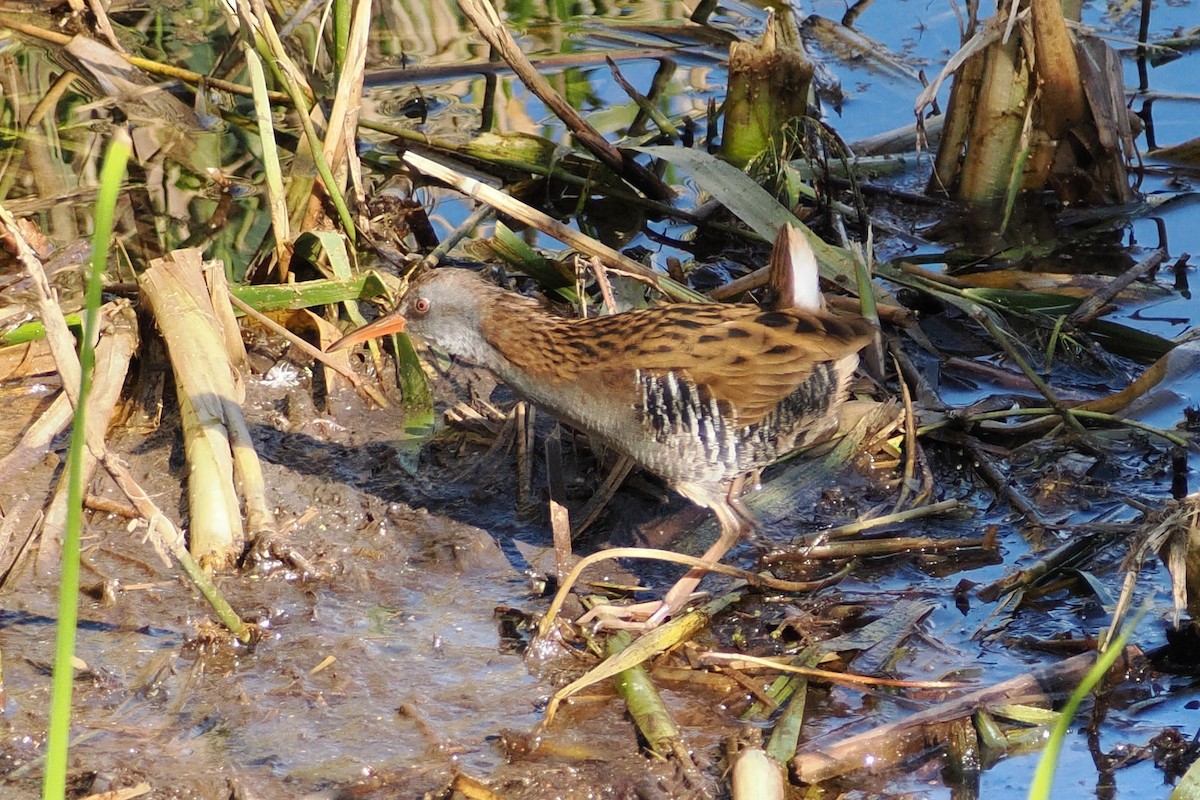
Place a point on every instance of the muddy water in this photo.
(387, 671)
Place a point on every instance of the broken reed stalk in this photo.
(1058, 70)
(246, 467)
(754, 775)
(1091, 307)
(908, 478)
(887, 746)
(1033, 107)
(58, 335)
(1061, 557)
(219, 450)
(1081, 412)
(482, 213)
(768, 88)
(305, 294)
(532, 156)
(855, 528)
(258, 25)
(526, 419)
(1175, 539)
(272, 169)
(886, 546)
(792, 688)
(881, 637)
(176, 294)
(341, 142)
(28, 358)
(560, 520)
(997, 147)
(742, 661)
(112, 356)
(166, 538)
(38, 437)
(992, 475)
(645, 104)
(645, 705)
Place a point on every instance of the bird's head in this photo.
(445, 307)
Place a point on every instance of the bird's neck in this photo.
(512, 331)
(529, 348)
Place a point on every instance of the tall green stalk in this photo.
(54, 781)
(1041, 788)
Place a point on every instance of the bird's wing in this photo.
(745, 358)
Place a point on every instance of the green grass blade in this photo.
(54, 781)
(1043, 776)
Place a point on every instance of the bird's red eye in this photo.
(421, 305)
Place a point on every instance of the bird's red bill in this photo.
(388, 323)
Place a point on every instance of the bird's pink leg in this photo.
(675, 600)
(734, 521)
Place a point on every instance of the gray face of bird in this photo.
(447, 308)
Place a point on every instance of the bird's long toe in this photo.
(641, 616)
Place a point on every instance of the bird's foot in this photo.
(646, 616)
(639, 616)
